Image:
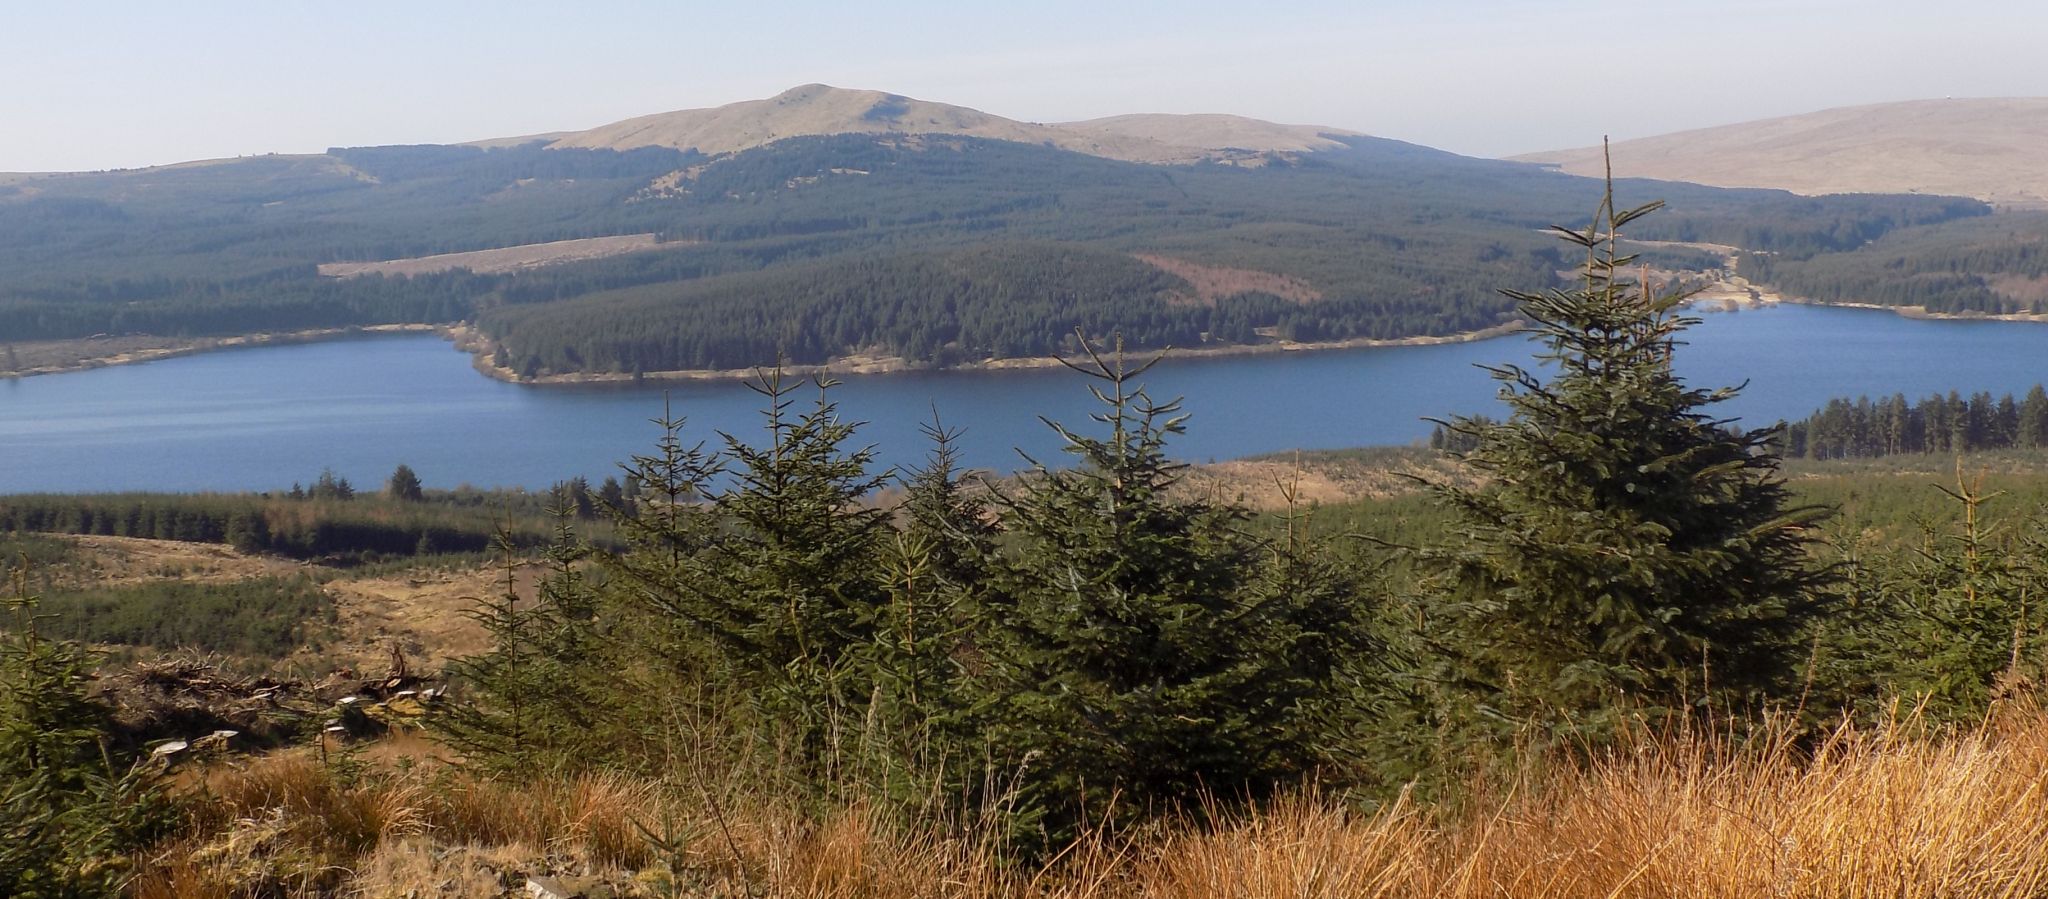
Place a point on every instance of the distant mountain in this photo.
(1992, 149)
(815, 110)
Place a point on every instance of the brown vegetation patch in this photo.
(1992, 149)
(2022, 289)
(818, 109)
(1214, 283)
(1266, 483)
(1896, 809)
(422, 614)
(503, 259)
(116, 561)
(40, 356)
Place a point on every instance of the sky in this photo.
(90, 85)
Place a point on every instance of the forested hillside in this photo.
(1994, 265)
(937, 249)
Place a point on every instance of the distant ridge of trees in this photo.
(1864, 428)
(943, 247)
(1990, 265)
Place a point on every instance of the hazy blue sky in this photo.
(91, 85)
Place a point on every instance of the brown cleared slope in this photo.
(1991, 149)
(502, 259)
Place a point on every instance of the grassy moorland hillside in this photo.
(1988, 148)
(811, 110)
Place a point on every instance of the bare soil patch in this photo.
(1214, 283)
(2021, 289)
(503, 259)
(1265, 483)
(423, 614)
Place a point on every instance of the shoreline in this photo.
(480, 349)
(1733, 292)
(1921, 313)
(175, 347)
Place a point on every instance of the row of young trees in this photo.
(404, 485)
(1089, 644)
(299, 528)
(1953, 424)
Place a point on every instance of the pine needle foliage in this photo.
(940, 558)
(1629, 550)
(1139, 651)
(667, 524)
(760, 570)
(70, 815)
(1972, 607)
(542, 697)
(794, 577)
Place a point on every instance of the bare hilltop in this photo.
(819, 109)
(1995, 150)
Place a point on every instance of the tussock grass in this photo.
(1894, 810)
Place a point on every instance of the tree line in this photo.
(1993, 265)
(1863, 428)
(938, 308)
(331, 520)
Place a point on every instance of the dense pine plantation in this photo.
(1861, 428)
(1993, 265)
(1039, 671)
(329, 521)
(939, 251)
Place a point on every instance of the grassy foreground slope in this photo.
(1889, 810)
(1892, 805)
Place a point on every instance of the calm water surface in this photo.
(262, 418)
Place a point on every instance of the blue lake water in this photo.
(262, 418)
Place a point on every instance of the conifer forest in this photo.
(1604, 642)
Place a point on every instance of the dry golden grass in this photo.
(1888, 812)
(1991, 149)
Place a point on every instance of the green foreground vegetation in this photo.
(1086, 650)
(329, 522)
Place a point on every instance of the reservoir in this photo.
(263, 418)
